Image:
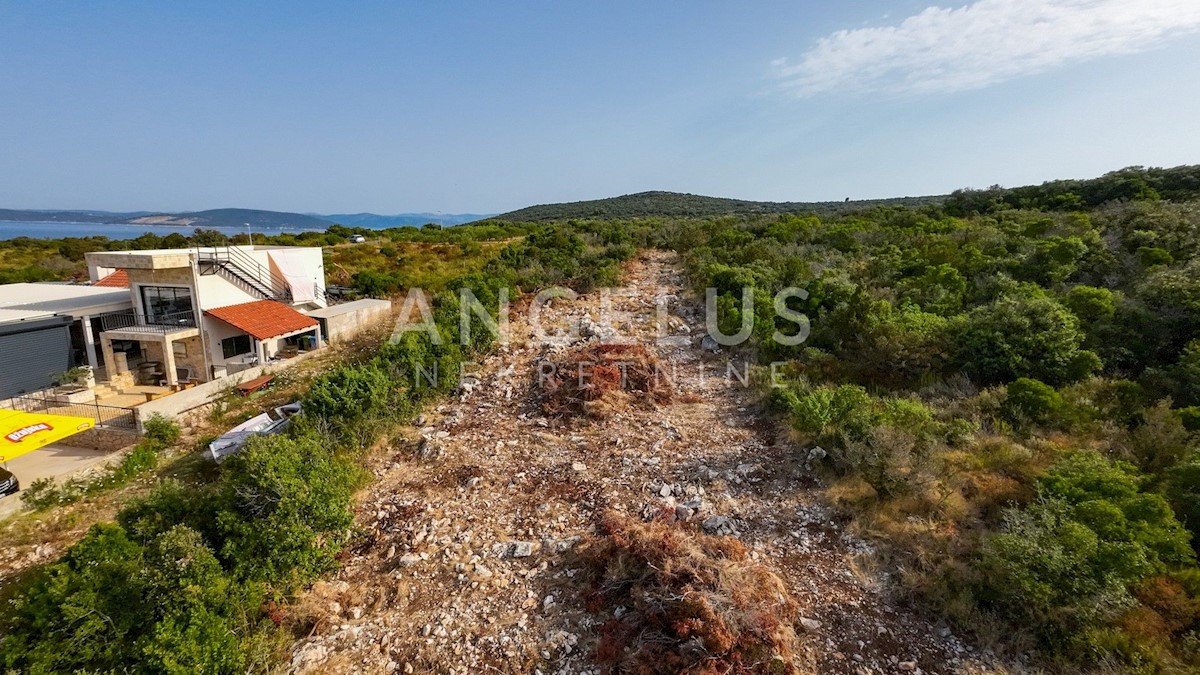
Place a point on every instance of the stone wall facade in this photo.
(107, 440)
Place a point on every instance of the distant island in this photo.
(256, 218)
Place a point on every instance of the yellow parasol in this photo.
(22, 432)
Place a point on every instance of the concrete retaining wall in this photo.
(344, 321)
(180, 402)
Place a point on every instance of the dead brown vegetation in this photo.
(598, 378)
(683, 601)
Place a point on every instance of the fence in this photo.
(162, 323)
(106, 416)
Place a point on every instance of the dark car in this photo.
(8, 482)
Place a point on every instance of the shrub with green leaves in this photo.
(161, 430)
(1091, 304)
(1064, 565)
(1189, 417)
(1029, 401)
(285, 509)
(123, 607)
(199, 609)
(1023, 336)
(828, 411)
(349, 395)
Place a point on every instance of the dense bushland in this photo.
(1005, 397)
(191, 578)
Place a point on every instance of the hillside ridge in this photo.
(683, 204)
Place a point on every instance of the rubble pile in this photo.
(682, 601)
(598, 378)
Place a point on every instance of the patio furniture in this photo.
(184, 377)
(251, 386)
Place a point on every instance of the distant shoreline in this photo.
(59, 229)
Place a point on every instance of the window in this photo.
(239, 344)
(167, 304)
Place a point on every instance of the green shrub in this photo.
(285, 509)
(1029, 400)
(1023, 336)
(170, 503)
(143, 457)
(1159, 441)
(199, 608)
(1064, 565)
(161, 430)
(348, 396)
(91, 600)
(168, 607)
(1189, 417)
(1151, 256)
(1049, 573)
(1120, 401)
(939, 289)
(1182, 489)
(1090, 303)
(888, 459)
(825, 410)
(41, 494)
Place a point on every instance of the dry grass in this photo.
(686, 602)
(598, 378)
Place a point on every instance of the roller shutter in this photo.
(32, 352)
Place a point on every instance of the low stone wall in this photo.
(176, 404)
(104, 439)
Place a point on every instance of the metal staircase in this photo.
(244, 271)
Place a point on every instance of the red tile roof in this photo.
(263, 319)
(118, 279)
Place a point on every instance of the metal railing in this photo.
(247, 270)
(108, 416)
(159, 323)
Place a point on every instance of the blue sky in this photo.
(486, 107)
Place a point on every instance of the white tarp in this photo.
(290, 265)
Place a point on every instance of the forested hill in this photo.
(676, 204)
(1135, 183)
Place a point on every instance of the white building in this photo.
(201, 313)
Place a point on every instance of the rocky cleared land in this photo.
(468, 561)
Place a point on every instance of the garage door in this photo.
(32, 353)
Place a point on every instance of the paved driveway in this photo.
(52, 461)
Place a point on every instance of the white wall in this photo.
(214, 331)
(215, 290)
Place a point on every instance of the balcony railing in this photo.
(159, 323)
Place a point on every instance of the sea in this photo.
(58, 229)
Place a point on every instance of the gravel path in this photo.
(467, 566)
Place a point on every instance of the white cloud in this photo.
(988, 41)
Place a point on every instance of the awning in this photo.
(21, 432)
(263, 319)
